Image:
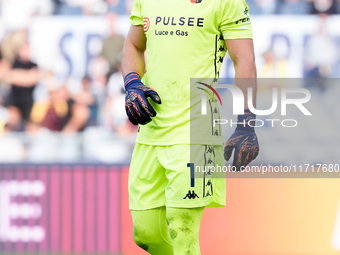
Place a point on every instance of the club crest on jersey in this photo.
(196, 1)
(146, 24)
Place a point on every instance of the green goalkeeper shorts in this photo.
(161, 176)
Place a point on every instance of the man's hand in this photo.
(244, 140)
(137, 106)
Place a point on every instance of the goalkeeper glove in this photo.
(244, 140)
(137, 106)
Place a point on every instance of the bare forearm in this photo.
(245, 74)
(24, 78)
(241, 52)
(132, 60)
(133, 52)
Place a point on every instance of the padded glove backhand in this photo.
(137, 106)
(244, 141)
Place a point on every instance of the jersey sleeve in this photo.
(136, 18)
(235, 21)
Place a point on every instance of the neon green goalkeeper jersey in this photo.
(185, 39)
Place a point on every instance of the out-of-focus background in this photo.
(65, 141)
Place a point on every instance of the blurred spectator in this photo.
(23, 78)
(78, 108)
(98, 69)
(5, 67)
(254, 7)
(113, 45)
(4, 115)
(292, 7)
(267, 6)
(273, 67)
(62, 111)
(11, 43)
(276, 59)
(86, 99)
(323, 7)
(115, 115)
(320, 63)
(57, 6)
(117, 6)
(62, 8)
(78, 7)
(93, 7)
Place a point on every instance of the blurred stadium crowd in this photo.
(33, 98)
(39, 101)
(42, 112)
(123, 7)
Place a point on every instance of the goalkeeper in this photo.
(181, 40)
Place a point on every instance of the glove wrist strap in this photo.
(243, 121)
(130, 78)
